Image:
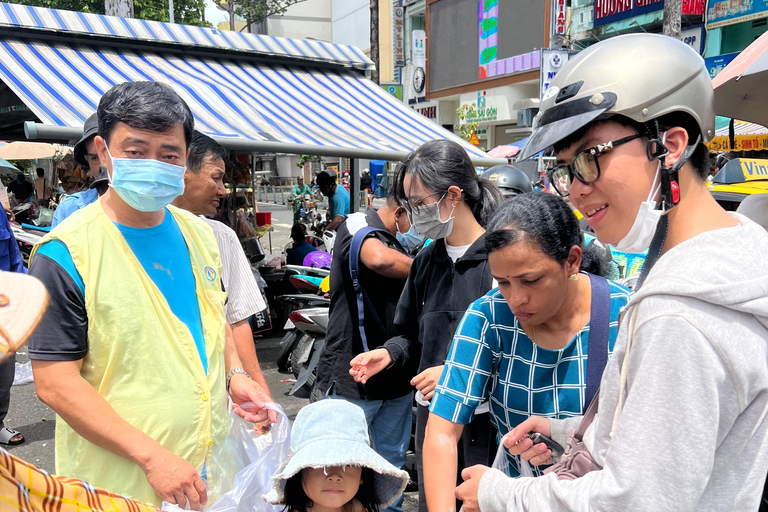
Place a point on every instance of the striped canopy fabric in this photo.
(742, 128)
(78, 23)
(231, 99)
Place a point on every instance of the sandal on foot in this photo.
(7, 436)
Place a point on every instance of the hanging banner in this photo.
(729, 12)
(398, 28)
(743, 143)
(611, 11)
(419, 48)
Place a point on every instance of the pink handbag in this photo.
(577, 461)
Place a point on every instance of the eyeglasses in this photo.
(413, 206)
(584, 166)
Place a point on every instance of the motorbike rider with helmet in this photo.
(683, 400)
(509, 179)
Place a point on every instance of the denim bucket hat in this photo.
(334, 433)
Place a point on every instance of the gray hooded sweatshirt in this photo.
(691, 430)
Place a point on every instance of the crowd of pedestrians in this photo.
(485, 311)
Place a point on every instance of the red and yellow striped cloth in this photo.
(25, 488)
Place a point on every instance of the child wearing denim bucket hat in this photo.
(331, 465)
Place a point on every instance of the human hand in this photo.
(175, 480)
(426, 381)
(366, 365)
(250, 400)
(467, 492)
(518, 444)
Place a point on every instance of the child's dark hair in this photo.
(441, 164)
(296, 499)
(540, 218)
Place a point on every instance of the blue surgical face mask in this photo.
(410, 240)
(146, 185)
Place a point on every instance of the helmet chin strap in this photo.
(670, 193)
(670, 181)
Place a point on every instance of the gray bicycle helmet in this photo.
(509, 179)
(639, 76)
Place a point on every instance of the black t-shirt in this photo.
(343, 341)
(22, 191)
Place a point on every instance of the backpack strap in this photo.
(599, 331)
(354, 271)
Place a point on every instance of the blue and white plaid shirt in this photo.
(491, 357)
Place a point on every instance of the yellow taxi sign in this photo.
(742, 170)
(754, 169)
(474, 140)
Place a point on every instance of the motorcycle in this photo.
(27, 237)
(312, 323)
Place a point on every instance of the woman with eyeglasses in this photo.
(449, 203)
(533, 346)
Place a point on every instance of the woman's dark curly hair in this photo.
(537, 217)
(296, 498)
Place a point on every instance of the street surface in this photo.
(37, 421)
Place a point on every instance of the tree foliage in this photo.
(303, 159)
(256, 11)
(465, 112)
(94, 6)
(187, 12)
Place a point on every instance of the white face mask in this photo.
(640, 235)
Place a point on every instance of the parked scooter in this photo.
(313, 324)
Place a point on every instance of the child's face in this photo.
(331, 487)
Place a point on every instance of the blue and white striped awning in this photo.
(231, 99)
(69, 22)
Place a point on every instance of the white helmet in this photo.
(639, 76)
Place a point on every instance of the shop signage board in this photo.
(729, 12)
(395, 90)
(428, 112)
(694, 37)
(484, 112)
(611, 11)
(559, 13)
(419, 48)
(743, 143)
(716, 64)
(398, 28)
(552, 61)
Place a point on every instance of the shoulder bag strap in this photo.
(354, 271)
(600, 319)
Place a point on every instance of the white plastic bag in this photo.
(501, 462)
(23, 374)
(252, 458)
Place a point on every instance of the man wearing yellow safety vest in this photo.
(134, 353)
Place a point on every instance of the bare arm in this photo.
(246, 351)
(242, 389)
(60, 386)
(383, 260)
(440, 460)
(334, 223)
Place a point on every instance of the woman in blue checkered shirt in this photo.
(523, 345)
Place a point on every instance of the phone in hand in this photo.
(537, 438)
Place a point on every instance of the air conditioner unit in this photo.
(525, 116)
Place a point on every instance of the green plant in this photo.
(303, 159)
(467, 128)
